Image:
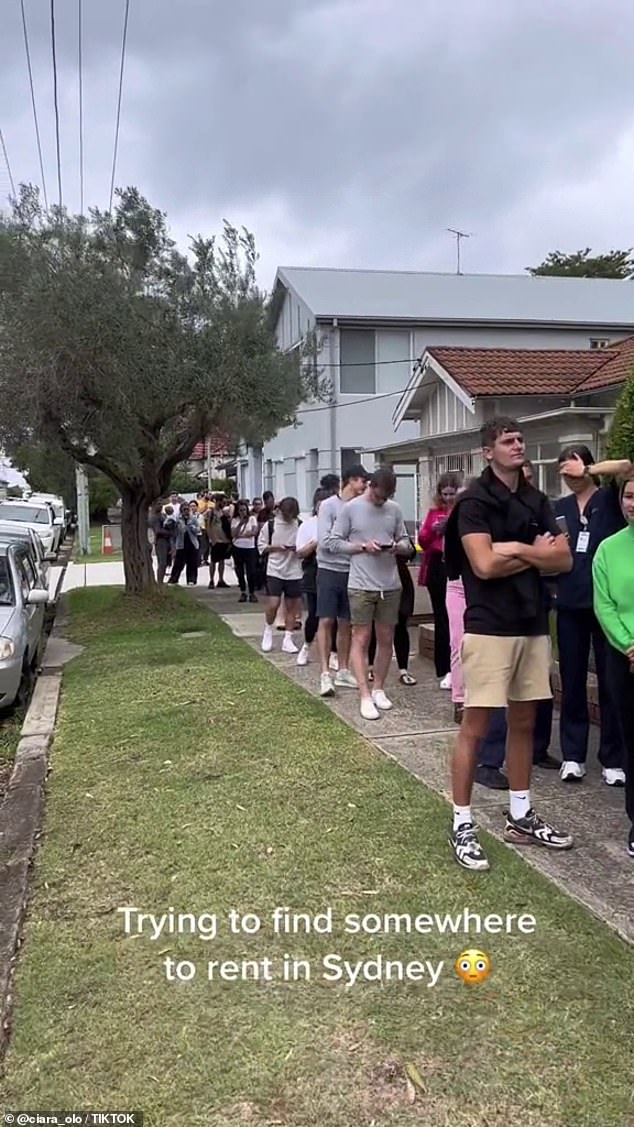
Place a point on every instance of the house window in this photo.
(599, 342)
(357, 362)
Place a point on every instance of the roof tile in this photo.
(522, 371)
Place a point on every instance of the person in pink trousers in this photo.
(456, 606)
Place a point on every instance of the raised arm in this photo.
(576, 467)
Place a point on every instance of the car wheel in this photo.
(26, 686)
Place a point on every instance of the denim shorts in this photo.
(332, 594)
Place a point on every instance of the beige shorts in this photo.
(367, 607)
(499, 670)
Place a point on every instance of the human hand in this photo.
(372, 547)
(574, 466)
(440, 526)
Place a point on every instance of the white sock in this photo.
(520, 803)
(268, 629)
(461, 814)
(288, 634)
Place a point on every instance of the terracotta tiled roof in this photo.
(526, 371)
(220, 447)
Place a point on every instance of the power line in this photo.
(6, 161)
(353, 402)
(56, 106)
(81, 107)
(37, 127)
(116, 133)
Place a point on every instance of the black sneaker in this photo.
(533, 829)
(242, 598)
(630, 843)
(548, 762)
(222, 584)
(466, 847)
(253, 598)
(492, 778)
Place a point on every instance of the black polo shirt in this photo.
(497, 607)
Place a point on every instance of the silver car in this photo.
(20, 533)
(22, 603)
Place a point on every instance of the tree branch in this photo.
(81, 455)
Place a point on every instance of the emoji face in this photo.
(472, 966)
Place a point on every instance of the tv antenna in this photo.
(458, 235)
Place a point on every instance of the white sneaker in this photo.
(446, 682)
(381, 701)
(267, 640)
(572, 772)
(326, 687)
(344, 679)
(333, 663)
(303, 655)
(288, 645)
(613, 776)
(368, 709)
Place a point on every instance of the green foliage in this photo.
(123, 353)
(585, 264)
(183, 482)
(47, 468)
(621, 443)
(102, 495)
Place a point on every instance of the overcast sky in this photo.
(348, 132)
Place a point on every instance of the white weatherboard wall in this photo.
(300, 455)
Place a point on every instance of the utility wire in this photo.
(81, 107)
(37, 127)
(353, 402)
(6, 161)
(55, 102)
(116, 134)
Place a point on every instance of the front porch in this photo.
(460, 451)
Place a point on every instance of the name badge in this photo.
(583, 541)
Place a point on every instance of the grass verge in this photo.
(95, 550)
(189, 774)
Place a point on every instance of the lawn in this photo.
(189, 774)
(95, 549)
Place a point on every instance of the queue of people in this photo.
(498, 558)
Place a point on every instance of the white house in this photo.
(374, 326)
(558, 396)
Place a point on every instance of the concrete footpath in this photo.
(419, 733)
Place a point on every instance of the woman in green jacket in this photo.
(613, 575)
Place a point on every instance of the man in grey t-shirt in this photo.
(371, 532)
(332, 586)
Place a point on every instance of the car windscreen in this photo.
(7, 597)
(25, 514)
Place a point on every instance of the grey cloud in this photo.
(385, 122)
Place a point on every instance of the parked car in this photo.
(22, 604)
(22, 534)
(59, 509)
(38, 516)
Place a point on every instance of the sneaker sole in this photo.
(342, 685)
(327, 693)
(572, 778)
(618, 784)
(514, 838)
(480, 867)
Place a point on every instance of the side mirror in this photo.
(37, 596)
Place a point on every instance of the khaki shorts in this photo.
(499, 670)
(367, 607)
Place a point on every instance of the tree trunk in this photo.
(137, 553)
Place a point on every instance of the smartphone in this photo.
(563, 525)
(385, 547)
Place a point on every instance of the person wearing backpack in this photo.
(277, 544)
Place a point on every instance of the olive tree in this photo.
(123, 352)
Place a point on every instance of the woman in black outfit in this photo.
(307, 553)
(401, 631)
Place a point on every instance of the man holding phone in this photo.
(371, 531)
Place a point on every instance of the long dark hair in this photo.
(289, 509)
(321, 494)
